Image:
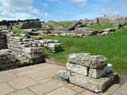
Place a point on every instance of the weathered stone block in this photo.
(6, 59)
(76, 58)
(91, 61)
(64, 75)
(53, 45)
(3, 41)
(97, 73)
(95, 85)
(77, 69)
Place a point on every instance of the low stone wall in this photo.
(108, 19)
(31, 25)
(3, 41)
(92, 72)
(34, 39)
(25, 53)
(81, 32)
(7, 59)
(53, 45)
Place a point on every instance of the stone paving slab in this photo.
(39, 80)
(22, 82)
(41, 89)
(62, 91)
(5, 89)
(6, 76)
(22, 92)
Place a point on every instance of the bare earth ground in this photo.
(39, 80)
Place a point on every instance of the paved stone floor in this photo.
(39, 80)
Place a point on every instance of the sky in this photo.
(60, 10)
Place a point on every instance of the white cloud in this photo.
(113, 9)
(45, 4)
(46, 14)
(79, 2)
(18, 9)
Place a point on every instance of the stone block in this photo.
(76, 58)
(77, 69)
(98, 73)
(3, 41)
(95, 85)
(6, 59)
(64, 75)
(91, 61)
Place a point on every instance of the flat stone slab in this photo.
(95, 85)
(62, 91)
(5, 89)
(77, 68)
(23, 92)
(40, 89)
(88, 60)
(21, 82)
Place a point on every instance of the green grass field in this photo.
(101, 26)
(114, 47)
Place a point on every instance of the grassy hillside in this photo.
(66, 24)
(114, 47)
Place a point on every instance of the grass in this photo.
(63, 24)
(101, 26)
(66, 24)
(114, 47)
(18, 31)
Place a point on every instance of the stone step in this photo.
(95, 85)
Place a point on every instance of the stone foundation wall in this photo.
(3, 41)
(103, 20)
(31, 25)
(25, 53)
(6, 59)
(19, 53)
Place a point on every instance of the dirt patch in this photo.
(55, 61)
(123, 78)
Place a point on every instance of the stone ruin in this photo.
(15, 52)
(3, 41)
(111, 19)
(92, 72)
(53, 45)
(80, 29)
(26, 49)
(20, 24)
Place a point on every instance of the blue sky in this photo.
(61, 9)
